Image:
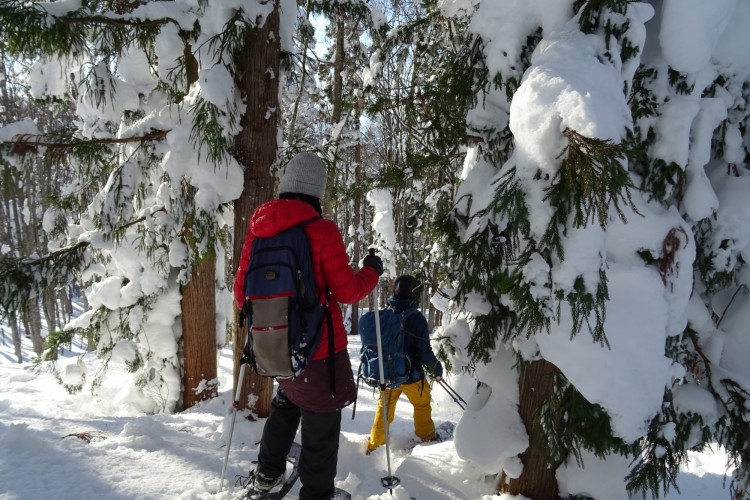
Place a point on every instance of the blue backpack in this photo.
(397, 363)
(284, 305)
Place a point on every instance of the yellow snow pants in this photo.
(419, 396)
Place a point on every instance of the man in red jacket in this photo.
(308, 397)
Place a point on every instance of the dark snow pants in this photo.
(320, 446)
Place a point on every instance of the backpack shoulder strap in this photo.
(327, 315)
(324, 291)
(405, 314)
(409, 345)
(308, 221)
(400, 315)
(302, 225)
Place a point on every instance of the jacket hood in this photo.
(278, 215)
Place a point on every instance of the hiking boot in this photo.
(443, 432)
(366, 447)
(263, 482)
(434, 439)
(340, 495)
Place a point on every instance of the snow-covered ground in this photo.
(54, 445)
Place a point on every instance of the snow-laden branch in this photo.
(20, 142)
(22, 279)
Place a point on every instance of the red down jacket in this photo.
(331, 269)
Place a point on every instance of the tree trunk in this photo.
(49, 307)
(432, 286)
(25, 323)
(538, 480)
(356, 210)
(16, 334)
(302, 80)
(255, 149)
(198, 311)
(199, 334)
(430, 311)
(337, 107)
(33, 320)
(90, 339)
(66, 309)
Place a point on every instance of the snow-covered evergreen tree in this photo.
(610, 153)
(27, 186)
(157, 110)
(417, 98)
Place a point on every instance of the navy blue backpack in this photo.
(284, 305)
(397, 363)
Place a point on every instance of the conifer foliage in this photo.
(537, 255)
(149, 148)
(554, 168)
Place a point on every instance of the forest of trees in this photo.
(136, 138)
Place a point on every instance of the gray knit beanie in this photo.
(304, 174)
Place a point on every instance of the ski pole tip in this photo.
(390, 482)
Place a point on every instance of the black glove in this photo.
(374, 262)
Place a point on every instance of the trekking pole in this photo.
(235, 405)
(390, 481)
(452, 393)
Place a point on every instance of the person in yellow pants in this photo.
(416, 389)
(418, 394)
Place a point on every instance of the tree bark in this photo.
(198, 312)
(33, 320)
(302, 80)
(255, 149)
(66, 310)
(16, 334)
(199, 334)
(357, 242)
(538, 480)
(337, 103)
(49, 309)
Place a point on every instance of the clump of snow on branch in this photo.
(384, 228)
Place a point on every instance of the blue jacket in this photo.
(417, 342)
